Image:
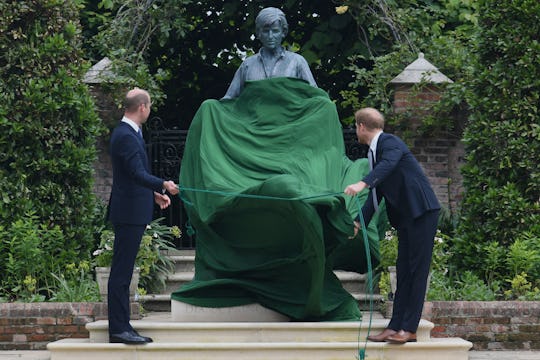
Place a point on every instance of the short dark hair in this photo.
(370, 117)
(131, 103)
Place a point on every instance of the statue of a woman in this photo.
(266, 170)
(272, 60)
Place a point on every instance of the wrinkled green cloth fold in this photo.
(280, 142)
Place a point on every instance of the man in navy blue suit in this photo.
(134, 192)
(413, 210)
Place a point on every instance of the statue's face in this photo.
(271, 35)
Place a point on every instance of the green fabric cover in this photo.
(281, 138)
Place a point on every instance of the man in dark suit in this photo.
(413, 210)
(134, 191)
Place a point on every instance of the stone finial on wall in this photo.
(410, 97)
(419, 71)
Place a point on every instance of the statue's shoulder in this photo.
(251, 59)
(295, 56)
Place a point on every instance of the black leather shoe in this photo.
(127, 337)
(148, 339)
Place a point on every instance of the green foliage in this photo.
(104, 253)
(47, 131)
(522, 289)
(152, 257)
(196, 46)
(75, 284)
(446, 283)
(464, 287)
(125, 32)
(501, 207)
(491, 50)
(441, 29)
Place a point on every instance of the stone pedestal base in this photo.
(246, 313)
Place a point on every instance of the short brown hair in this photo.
(370, 117)
(132, 102)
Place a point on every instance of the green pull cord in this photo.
(362, 352)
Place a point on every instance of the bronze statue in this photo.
(272, 60)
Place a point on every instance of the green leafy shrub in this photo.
(465, 286)
(442, 31)
(48, 127)
(445, 282)
(152, 259)
(522, 289)
(501, 206)
(75, 284)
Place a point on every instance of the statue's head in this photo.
(267, 17)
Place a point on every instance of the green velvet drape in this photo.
(280, 139)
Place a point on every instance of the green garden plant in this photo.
(501, 206)
(152, 259)
(48, 127)
(75, 284)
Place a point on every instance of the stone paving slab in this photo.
(500, 355)
(473, 355)
(24, 355)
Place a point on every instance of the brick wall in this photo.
(103, 171)
(31, 326)
(441, 159)
(489, 325)
(110, 114)
(440, 155)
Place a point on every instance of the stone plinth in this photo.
(246, 313)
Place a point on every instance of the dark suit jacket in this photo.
(132, 196)
(398, 177)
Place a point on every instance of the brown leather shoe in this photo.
(382, 336)
(401, 337)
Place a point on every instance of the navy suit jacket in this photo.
(132, 196)
(398, 177)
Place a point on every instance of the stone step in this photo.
(352, 282)
(176, 280)
(183, 263)
(257, 341)
(162, 302)
(165, 330)
(82, 349)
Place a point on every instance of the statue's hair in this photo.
(370, 117)
(268, 16)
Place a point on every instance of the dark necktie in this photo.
(373, 190)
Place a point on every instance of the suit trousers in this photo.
(127, 239)
(415, 249)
